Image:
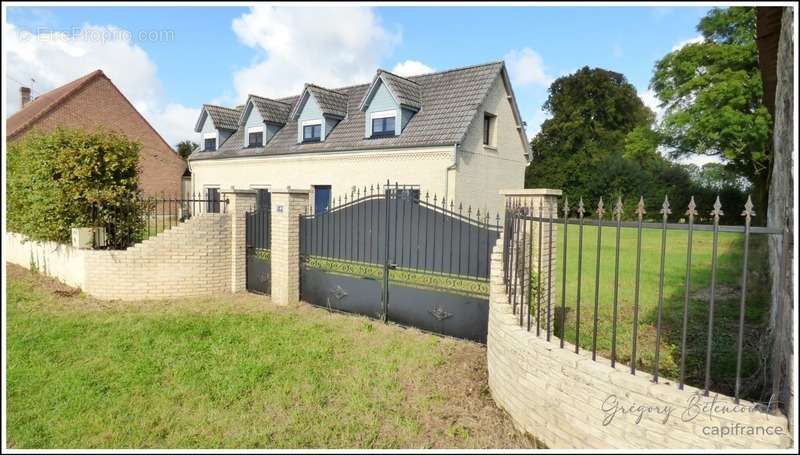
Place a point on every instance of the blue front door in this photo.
(322, 198)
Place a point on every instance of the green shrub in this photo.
(69, 178)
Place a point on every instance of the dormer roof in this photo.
(406, 92)
(272, 111)
(332, 103)
(223, 118)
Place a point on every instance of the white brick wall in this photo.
(190, 259)
(193, 258)
(561, 397)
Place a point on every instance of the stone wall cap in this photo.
(531, 192)
(236, 191)
(289, 190)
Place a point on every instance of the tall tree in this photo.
(599, 142)
(713, 98)
(185, 148)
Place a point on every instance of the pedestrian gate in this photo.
(257, 241)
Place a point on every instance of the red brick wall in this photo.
(101, 104)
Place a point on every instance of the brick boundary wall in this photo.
(563, 398)
(190, 259)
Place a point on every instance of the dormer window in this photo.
(210, 142)
(383, 126)
(383, 123)
(312, 132)
(255, 137)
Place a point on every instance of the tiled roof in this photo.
(272, 110)
(223, 117)
(42, 105)
(331, 102)
(449, 101)
(406, 91)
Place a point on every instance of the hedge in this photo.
(68, 178)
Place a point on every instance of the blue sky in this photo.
(218, 54)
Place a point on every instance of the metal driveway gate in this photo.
(392, 255)
(257, 241)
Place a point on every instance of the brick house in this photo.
(93, 101)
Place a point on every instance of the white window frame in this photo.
(204, 195)
(492, 145)
(255, 129)
(384, 114)
(306, 123)
(214, 136)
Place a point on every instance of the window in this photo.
(212, 196)
(488, 129)
(255, 139)
(322, 198)
(210, 144)
(383, 126)
(312, 133)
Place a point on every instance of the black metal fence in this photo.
(532, 248)
(128, 222)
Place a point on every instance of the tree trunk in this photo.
(780, 216)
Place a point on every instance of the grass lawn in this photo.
(726, 314)
(234, 371)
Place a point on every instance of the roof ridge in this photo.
(80, 83)
(309, 84)
(409, 78)
(269, 99)
(221, 107)
(380, 70)
(457, 69)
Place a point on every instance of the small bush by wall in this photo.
(67, 178)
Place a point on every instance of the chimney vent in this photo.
(24, 96)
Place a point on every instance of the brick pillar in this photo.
(239, 202)
(532, 252)
(287, 206)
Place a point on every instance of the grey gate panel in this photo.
(393, 255)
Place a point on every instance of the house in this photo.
(94, 101)
(456, 133)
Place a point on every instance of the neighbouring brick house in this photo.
(94, 101)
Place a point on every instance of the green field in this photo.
(726, 314)
(234, 371)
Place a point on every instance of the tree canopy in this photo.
(713, 97)
(599, 142)
(185, 148)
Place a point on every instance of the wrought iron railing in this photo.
(531, 249)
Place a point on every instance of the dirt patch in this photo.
(458, 406)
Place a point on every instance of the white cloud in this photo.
(526, 67)
(534, 123)
(55, 58)
(411, 68)
(686, 42)
(329, 46)
(650, 100)
(617, 51)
